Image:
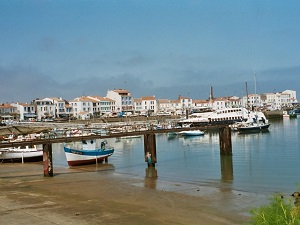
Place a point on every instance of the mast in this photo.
(255, 103)
(247, 106)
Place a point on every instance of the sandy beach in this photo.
(90, 195)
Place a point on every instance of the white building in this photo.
(164, 105)
(25, 110)
(45, 108)
(60, 107)
(122, 98)
(148, 105)
(293, 96)
(82, 107)
(102, 106)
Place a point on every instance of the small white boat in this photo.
(88, 153)
(131, 136)
(27, 153)
(191, 133)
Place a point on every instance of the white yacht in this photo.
(224, 116)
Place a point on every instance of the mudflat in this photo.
(89, 195)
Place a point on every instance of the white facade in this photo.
(26, 111)
(122, 98)
(45, 108)
(82, 106)
(102, 105)
(293, 96)
(60, 107)
(149, 104)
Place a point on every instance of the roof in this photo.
(121, 91)
(200, 101)
(6, 106)
(148, 97)
(163, 100)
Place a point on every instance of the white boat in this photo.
(191, 133)
(87, 153)
(131, 136)
(225, 116)
(26, 153)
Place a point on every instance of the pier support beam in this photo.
(150, 149)
(47, 160)
(225, 140)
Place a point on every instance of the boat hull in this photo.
(191, 133)
(21, 155)
(254, 128)
(82, 157)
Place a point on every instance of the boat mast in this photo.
(255, 96)
(247, 106)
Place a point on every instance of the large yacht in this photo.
(223, 116)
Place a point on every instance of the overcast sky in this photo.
(166, 48)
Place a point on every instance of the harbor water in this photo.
(261, 163)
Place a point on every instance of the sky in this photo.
(165, 48)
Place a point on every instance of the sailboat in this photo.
(258, 121)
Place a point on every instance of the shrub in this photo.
(279, 211)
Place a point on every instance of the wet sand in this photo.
(90, 195)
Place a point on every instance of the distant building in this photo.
(82, 107)
(45, 108)
(26, 111)
(8, 113)
(122, 98)
(60, 107)
(102, 106)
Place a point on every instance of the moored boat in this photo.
(21, 154)
(225, 116)
(87, 153)
(191, 133)
(253, 127)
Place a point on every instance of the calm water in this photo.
(261, 162)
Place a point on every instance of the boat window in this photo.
(84, 142)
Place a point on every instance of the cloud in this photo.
(24, 84)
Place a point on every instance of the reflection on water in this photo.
(226, 168)
(260, 162)
(150, 177)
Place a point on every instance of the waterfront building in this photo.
(25, 111)
(123, 100)
(148, 105)
(82, 107)
(164, 105)
(102, 106)
(45, 108)
(8, 113)
(60, 107)
(199, 105)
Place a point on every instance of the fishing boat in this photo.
(191, 133)
(21, 154)
(87, 153)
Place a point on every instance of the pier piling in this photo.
(150, 149)
(225, 140)
(47, 160)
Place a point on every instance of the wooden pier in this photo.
(149, 143)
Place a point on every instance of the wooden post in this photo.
(47, 160)
(225, 140)
(150, 149)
